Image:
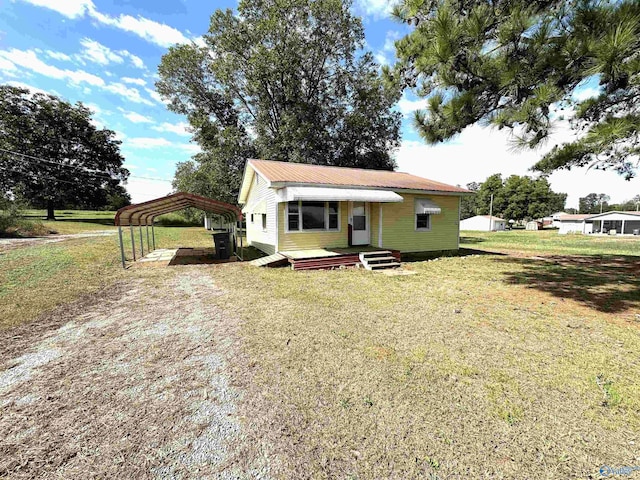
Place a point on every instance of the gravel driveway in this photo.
(130, 384)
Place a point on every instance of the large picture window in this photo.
(310, 216)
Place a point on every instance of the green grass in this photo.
(36, 279)
(550, 242)
(455, 363)
(518, 365)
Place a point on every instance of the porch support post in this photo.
(141, 242)
(380, 226)
(622, 232)
(133, 242)
(121, 245)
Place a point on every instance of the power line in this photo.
(77, 167)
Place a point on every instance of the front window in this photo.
(264, 222)
(313, 216)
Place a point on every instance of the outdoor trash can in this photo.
(222, 244)
(636, 231)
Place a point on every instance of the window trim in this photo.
(415, 217)
(314, 230)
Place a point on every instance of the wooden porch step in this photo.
(374, 260)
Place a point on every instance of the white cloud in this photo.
(179, 128)
(97, 53)
(68, 8)
(135, 60)
(129, 93)
(158, 33)
(134, 81)
(29, 60)
(148, 142)
(32, 88)
(481, 151)
(142, 190)
(8, 67)
(57, 55)
(135, 117)
(155, 95)
(374, 8)
(407, 106)
(151, 169)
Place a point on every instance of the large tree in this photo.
(517, 197)
(52, 155)
(594, 203)
(284, 80)
(517, 64)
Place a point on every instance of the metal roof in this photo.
(145, 212)
(299, 173)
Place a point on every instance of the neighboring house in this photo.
(293, 206)
(577, 223)
(483, 223)
(555, 218)
(623, 223)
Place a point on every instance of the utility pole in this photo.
(491, 214)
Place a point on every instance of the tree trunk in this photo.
(50, 213)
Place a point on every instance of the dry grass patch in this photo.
(454, 371)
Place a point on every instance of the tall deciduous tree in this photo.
(594, 203)
(53, 156)
(284, 80)
(518, 198)
(516, 63)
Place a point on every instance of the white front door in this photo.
(360, 223)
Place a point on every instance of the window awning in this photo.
(327, 194)
(257, 208)
(427, 206)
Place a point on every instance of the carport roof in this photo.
(144, 213)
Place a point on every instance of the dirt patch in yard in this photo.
(131, 383)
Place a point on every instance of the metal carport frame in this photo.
(144, 214)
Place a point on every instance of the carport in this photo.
(143, 215)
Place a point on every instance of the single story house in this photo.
(296, 207)
(622, 223)
(555, 218)
(574, 223)
(483, 223)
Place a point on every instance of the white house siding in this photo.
(480, 223)
(264, 240)
(576, 226)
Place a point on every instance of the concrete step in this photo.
(374, 260)
(380, 266)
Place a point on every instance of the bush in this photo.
(12, 224)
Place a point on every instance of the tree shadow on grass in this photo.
(461, 252)
(605, 283)
(467, 240)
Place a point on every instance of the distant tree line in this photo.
(514, 198)
(599, 202)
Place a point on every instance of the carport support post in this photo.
(141, 242)
(153, 233)
(133, 243)
(148, 244)
(121, 245)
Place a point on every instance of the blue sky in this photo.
(105, 53)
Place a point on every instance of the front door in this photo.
(360, 223)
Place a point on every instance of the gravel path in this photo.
(131, 386)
